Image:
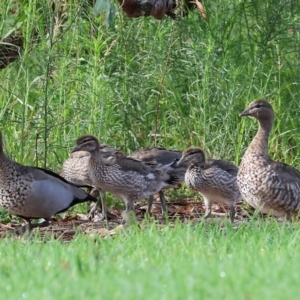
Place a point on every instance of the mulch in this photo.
(65, 229)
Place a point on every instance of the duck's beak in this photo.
(174, 163)
(180, 162)
(245, 113)
(76, 148)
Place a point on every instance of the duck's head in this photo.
(87, 143)
(192, 155)
(259, 109)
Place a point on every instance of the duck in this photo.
(163, 158)
(75, 169)
(35, 193)
(216, 180)
(124, 177)
(157, 9)
(271, 187)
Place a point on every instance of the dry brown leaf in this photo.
(92, 232)
(201, 9)
(116, 230)
(103, 232)
(82, 217)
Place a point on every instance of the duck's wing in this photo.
(47, 193)
(285, 172)
(129, 164)
(222, 164)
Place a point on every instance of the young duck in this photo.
(124, 177)
(162, 159)
(76, 169)
(214, 179)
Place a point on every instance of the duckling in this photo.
(214, 179)
(271, 187)
(161, 158)
(75, 169)
(126, 178)
(35, 193)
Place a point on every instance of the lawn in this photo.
(258, 259)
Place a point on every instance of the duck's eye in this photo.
(258, 105)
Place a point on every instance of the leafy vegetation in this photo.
(141, 82)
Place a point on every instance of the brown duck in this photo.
(271, 187)
(161, 158)
(124, 177)
(216, 180)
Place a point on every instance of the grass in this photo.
(141, 82)
(255, 260)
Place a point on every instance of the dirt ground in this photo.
(65, 229)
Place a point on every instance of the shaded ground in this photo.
(183, 211)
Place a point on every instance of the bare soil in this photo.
(65, 229)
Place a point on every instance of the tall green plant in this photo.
(143, 81)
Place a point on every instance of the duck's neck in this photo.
(96, 157)
(6, 165)
(3, 157)
(259, 144)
